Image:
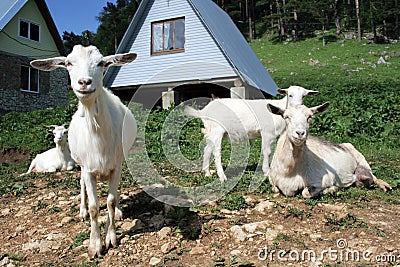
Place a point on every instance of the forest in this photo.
(282, 20)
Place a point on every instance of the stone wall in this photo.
(52, 89)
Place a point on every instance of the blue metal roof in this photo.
(8, 9)
(228, 37)
(235, 46)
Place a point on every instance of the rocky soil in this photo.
(41, 228)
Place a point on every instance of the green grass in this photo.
(79, 238)
(365, 110)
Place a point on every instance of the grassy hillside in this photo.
(365, 110)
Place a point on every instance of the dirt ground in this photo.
(42, 228)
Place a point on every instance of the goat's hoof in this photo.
(118, 214)
(94, 250)
(83, 214)
(306, 193)
(207, 174)
(111, 240)
(383, 185)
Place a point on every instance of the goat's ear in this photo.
(119, 59)
(320, 108)
(275, 110)
(282, 91)
(49, 63)
(311, 92)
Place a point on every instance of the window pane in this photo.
(168, 35)
(34, 80)
(157, 37)
(24, 78)
(180, 34)
(23, 29)
(34, 32)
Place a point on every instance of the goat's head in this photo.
(296, 94)
(86, 66)
(59, 133)
(297, 119)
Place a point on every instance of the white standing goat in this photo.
(313, 165)
(239, 120)
(57, 158)
(101, 132)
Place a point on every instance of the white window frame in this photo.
(29, 89)
(162, 26)
(29, 29)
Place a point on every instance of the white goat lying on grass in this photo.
(101, 132)
(239, 120)
(57, 158)
(314, 165)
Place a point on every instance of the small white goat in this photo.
(239, 120)
(57, 158)
(101, 132)
(314, 165)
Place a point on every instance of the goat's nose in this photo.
(301, 133)
(84, 81)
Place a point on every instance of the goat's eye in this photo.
(309, 118)
(101, 64)
(68, 64)
(290, 95)
(285, 117)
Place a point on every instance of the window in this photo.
(29, 79)
(29, 30)
(168, 36)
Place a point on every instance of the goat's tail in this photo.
(192, 112)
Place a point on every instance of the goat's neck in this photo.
(62, 149)
(282, 103)
(95, 112)
(292, 155)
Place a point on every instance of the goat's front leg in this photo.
(112, 200)
(313, 191)
(83, 212)
(382, 184)
(91, 189)
(330, 190)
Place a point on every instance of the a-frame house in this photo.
(186, 49)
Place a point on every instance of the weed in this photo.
(311, 202)
(187, 222)
(293, 212)
(16, 257)
(348, 221)
(79, 238)
(73, 210)
(234, 202)
(281, 237)
(40, 205)
(55, 209)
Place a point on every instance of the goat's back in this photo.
(330, 161)
(242, 119)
